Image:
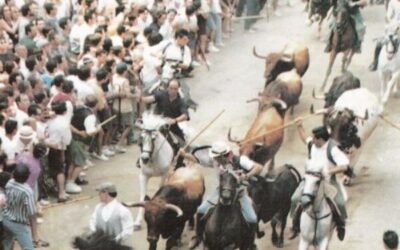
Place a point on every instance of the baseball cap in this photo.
(107, 187)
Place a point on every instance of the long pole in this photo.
(389, 122)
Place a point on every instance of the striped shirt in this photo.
(20, 204)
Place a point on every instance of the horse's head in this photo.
(150, 131)
(228, 183)
(393, 42)
(342, 16)
(312, 181)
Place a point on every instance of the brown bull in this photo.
(174, 203)
(287, 87)
(262, 148)
(293, 55)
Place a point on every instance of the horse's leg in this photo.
(191, 223)
(349, 58)
(389, 88)
(283, 218)
(344, 60)
(274, 236)
(143, 180)
(303, 245)
(324, 244)
(328, 72)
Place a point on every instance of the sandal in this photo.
(40, 243)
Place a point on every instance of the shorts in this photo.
(202, 24)
(56, 162)
(76, 153)
(103, 115)
(125, 119)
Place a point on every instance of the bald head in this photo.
(173, 88)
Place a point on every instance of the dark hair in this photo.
(30, 62)
(84, 73)
(147, 31)
(57, 80)
(33, 80)
(116, 50)
(13, 77)
(10, 126)
(33, 109)
(21, 173)
(39, 150)
(59, 107)
(67, 87)
(88, 15)
(121, 29)
(73, 70)
(4, 178)
(390, 239)
(3, 105)
(190, 10)
(9, 67)
(58, 59)
(127, 42)
(28, 28)
(113, 194)
(38, 96)
(181, 33)
(48, 7)
(101, 74)
(321, 133)
(2, 119)
(155, 38)
(51, 65)
(63, 22)
(25, 9)
(22, 87)
(107, 44)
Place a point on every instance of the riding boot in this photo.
(200, 226)
(253, 230)
(296, 222)
(340, 222)
(374, 64)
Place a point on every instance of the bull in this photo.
(340, 84)
(257, 146)
(172, 206)
(352, 120)
(293, 55)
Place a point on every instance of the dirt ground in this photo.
(235, 77)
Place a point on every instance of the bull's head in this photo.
(157, 215)
(344, 129)
(275, 63)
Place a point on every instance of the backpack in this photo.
(331, 145)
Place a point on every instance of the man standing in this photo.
(323, 150)
(111, 216)
(20, 212)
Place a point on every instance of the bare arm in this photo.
(148, 99)
(301, 131)
(257, 168)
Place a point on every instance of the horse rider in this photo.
(323, 150)
(225, 159)
(173, 108)
(358, 21)
(392, 28)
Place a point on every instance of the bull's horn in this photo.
(174, 208)
(230, 138)
(280, 102)
(319, 111)
(317, 97)
(253, 100)
(257, 55)
(365, 116)
(138, 204)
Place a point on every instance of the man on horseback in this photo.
(323, 150)
(392, 28)
(357, 23)
(224, 158)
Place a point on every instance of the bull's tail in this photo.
(294, 171)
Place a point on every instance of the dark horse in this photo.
(318, 10)
(97, 241)
(273, 199)
(343, 38)
(225, 227)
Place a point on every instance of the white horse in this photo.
(316, 223)
(389, 72)
(156, 155)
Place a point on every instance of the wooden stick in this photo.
(249, 17)
(81, 198)
(203, 129)
(108, 120)
(276, 129)
(389, 122)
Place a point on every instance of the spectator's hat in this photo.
(26, 132)
(107, 187)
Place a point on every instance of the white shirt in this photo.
(90, 124)
(9, 148)
(20, 117)
(59, 132)
(319, 158)
(83, 89)
(108, 209)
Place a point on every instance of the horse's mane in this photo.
(152, 121)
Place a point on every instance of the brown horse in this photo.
(343, 39)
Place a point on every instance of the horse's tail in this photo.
(295, 173)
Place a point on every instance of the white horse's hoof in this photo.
(137, 227)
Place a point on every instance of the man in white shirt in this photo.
(323, 151)
(111, 216)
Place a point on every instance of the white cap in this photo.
(218, 149)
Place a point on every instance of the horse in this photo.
(389, 72)
(316, 221)
(343, 38)
(97, 240)
(271, 196)
(317, 12)
(225, 227)
(156, 155)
